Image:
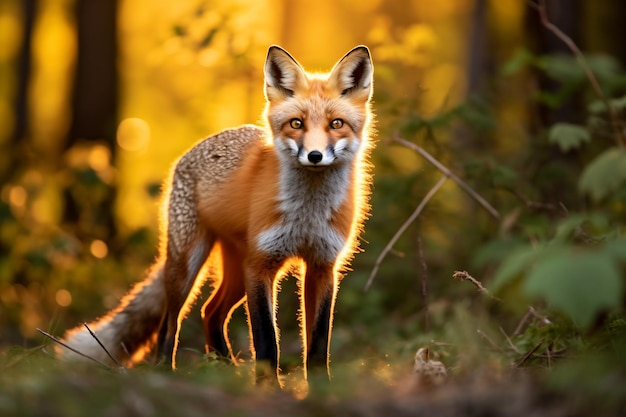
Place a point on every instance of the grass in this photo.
(34, 383)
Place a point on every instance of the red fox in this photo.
(260, 202)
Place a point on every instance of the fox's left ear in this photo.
(353, 74)
(283, 74)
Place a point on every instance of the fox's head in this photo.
(318, 120)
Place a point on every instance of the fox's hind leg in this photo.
(180, 271)
(188, 247)
(217, 311)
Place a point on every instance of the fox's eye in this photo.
(296, 124)
(336, 124)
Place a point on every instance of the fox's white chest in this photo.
(307, 204)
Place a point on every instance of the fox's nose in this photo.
(315, 156)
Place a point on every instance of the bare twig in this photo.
(420, 251)
(465, 276)
(522, 323)
(102, 346)
(543, 319)
(510, 342)
(488, 339)
(531, 312)
(528, 354)
(549, 353)
(403, 228)
(616, 122)
(74, 350)
(494, 213)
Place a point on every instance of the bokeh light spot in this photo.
(99, 157)
(133, 134)
(17, 196)
(99, 249)
(63, 297)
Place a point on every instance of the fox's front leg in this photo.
(260, 275)
(320, 287)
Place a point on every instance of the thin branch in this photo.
(549, 353)
(510, 342)
(494, 213)
(102, 346)
(522, 323)
(465, 276)
(616, 121)
(543, 319)
(488, 339)
(403, 228)
(531, 312)
(528, 354)
(74, 350)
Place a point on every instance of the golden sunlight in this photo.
(54, 55)
(11, 33)
(10, 47)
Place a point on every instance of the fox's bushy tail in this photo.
(129, 331)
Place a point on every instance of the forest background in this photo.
(518, 103)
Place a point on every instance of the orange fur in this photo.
(259, 203)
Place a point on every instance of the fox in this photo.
(257, 203)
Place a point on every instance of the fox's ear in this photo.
(283, 74)
(353, 74)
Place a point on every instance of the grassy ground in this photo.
(33, 383)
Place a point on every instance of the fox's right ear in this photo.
(283, 74)
(352, 75)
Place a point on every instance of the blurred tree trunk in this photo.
(94, 116)
(600, 16)
(12, 156)
(14, 151)
(95, 88)
(478, 65)
(564, 14)
(554, 164)
(479, 69)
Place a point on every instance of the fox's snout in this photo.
(316, 149)
(316, 157)
(322, 156)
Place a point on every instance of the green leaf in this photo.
(598, 106)
(606, 68)
(504, 177)
(617, 249)
(513, 266)
(495, 251)
(566, 228)
(522, 58)
(580, 284)
(568, 136)
(605, 174)
(562, 67)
